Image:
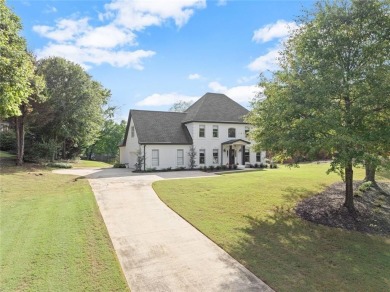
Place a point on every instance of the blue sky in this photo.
(151, 53)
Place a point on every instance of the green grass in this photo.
(4, 154)
(250, 216)
(53, 237)
(91, 163)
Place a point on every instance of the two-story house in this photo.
(214, 125)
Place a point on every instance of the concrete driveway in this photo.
(157, 249)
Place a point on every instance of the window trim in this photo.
(202, 151)
(215, 127)
(181, 158)
(154, 158)
(247, 130)
(259, 156)
(202, 127)
(229, 133)
(217, 157)
(247, 154)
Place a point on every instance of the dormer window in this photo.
(232, 132)
(202, 131)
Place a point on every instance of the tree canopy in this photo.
(180, 106)
(73, 114)
(16, 65)
(332, 91)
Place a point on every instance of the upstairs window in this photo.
(232, 132)
(202, 156)
(202, 131)
(132, 132)
(215, 131)
(247, 132)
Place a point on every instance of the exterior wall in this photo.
(209, 143)
(167, 156)
(128, 153)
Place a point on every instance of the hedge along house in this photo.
(214, 125)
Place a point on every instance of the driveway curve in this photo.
(157, 249)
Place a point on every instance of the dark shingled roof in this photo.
(160, 127)
(215, 107)
(156, 127)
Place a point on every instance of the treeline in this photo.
(55, 109)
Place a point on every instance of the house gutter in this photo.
(144, 157)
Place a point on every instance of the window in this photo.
(215, 131)
(215, 156)
(246, 132)
(246, 155)
(201, 131)
(155, 157)
(232, 133)
(132, 131)
(258, 157)
(180, 157)
(202, 156)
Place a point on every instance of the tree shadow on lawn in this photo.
(290, 254)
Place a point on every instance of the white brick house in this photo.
(214, 125)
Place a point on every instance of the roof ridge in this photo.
(157, 111)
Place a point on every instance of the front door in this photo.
(231, 155)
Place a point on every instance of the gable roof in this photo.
(156, 127)
(215, 107)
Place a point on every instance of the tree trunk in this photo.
(349, 188)
(370, 172)
(19, 122)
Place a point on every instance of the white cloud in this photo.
(137, 15)
(194, 76)
(108, 36)
(241, 94)
(246, 79)
(50, 9)
(221, 2)
(266, 62)
(110, 42)
(96, 56)
(64, 30)
(158, 99)
(277, 30)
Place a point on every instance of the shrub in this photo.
(169, 168)
(230, 166)
(218, 167)
(211, 167)
(256, 165)
(365, 186)
(8, 141)
(119, 165)
(223, 167)
(150, 169)
(59, 165)
(234, 166)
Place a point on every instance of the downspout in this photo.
(144, 157)
(221, 154)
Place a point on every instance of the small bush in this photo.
(365, 186)
(218, 167)
(211, 167)
(256, 165)
(223, 167)
(234, 166)
(59, 165)
(8, 141)
(119, 165)
(150, 169)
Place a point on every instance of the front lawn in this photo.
(53, 237)
(250, 215)
(91, 163)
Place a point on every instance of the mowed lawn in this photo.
(250, 215)
(53, 237)
(91, 163)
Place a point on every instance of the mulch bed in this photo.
(373, 209)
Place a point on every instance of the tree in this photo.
(180, 106)
(330, 92)
(73, 113)
(37, 86)
(192, 157)
(16, 66)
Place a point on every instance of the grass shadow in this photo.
(293, 255)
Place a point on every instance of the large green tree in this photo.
(16, 66)
(73, 114)
(331, 91)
